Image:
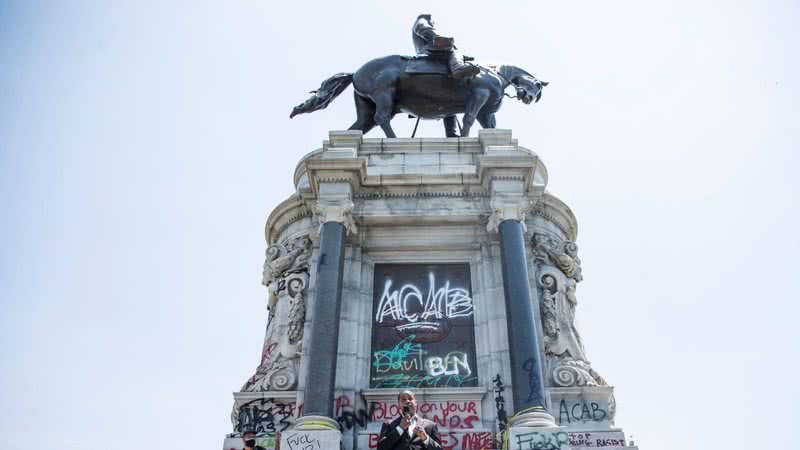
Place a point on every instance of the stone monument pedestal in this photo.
(439, 242)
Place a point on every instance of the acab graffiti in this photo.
(408, 304)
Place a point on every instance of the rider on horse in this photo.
(428, 42)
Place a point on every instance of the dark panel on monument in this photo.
(422, 327)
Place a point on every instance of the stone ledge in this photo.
(472, 393)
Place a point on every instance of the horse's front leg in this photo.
(384, 104)
(475, 101)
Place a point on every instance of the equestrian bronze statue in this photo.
(436, 84)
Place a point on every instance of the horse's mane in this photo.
(509, 72)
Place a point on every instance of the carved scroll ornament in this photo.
(286, 276)
(558, 271)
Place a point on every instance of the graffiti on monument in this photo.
(449, 414)
(453, 440)
(266, 416)
(423, 327)
(539, 440)
(597, 439)
(500, 403)
(581, 411)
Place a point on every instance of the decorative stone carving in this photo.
(286, 276)
(558, 270)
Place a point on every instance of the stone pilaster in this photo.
(334, 175)
(515, 187)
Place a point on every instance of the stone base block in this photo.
(589, 448)
(583, 408)
(305, 436)
(537, 438)
(597, 439)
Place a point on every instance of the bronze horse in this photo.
(383, 88)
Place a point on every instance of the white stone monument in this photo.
(423, 301)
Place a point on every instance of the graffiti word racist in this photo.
(581, 412)
(500, 403)
(453, 440)
(408, 304)
(599, 439)
(536, 440)
(447, 414)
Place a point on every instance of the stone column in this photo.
(334, 211)
(508, 219)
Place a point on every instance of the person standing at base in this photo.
(409, 431)
(249, 439)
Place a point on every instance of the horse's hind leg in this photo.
(365, 110)
(450, 126)
(384, 104)
(487, 120)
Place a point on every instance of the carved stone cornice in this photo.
(286, 213)
(554, 210)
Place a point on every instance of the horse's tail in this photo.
(328, 91)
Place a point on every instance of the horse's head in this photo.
(529, 89)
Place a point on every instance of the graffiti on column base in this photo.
(500, 403)
(536, 440)
(533, 378)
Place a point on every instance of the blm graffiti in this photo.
(423, 327)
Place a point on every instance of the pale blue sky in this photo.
(142, 146)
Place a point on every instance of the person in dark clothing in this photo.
(428, 42)
(409, 431)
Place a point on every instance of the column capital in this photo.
(336, 210)
(508, 207)
(334, 204)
